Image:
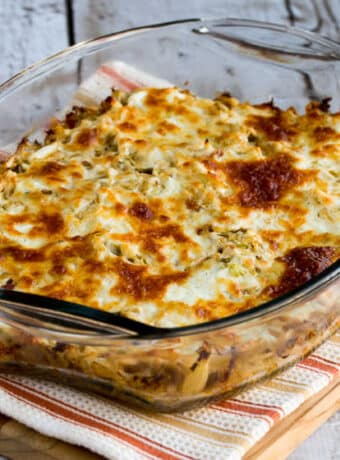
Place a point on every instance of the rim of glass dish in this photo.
(301, 294)
(57, 60)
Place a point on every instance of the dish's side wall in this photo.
(176, 373)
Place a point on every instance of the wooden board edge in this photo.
(288, 434)
(278, 443)
(20, 442)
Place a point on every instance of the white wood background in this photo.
(32, 29)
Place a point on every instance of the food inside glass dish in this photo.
(172, 209)
(201, 217)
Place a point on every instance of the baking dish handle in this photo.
(284, 44)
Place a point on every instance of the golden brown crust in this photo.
(169, 208)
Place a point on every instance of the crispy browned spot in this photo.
(302, 264)
(263, 182)
(151, 235)
(325, 150)
(141, 211)
(120, 208)
(127, 126)
(165, 127)
(106, 104)
(156, 97)
(51, 167)
(58, 266)
(79, 246)
(134, 281)
(53, 223)
(323, 133)
(275, 127)
(211, 164)
(192, 204)
(86, 137)
(272, 237)
(77, 114)
(23, 255)
(71, 120)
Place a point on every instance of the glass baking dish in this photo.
(179, 368)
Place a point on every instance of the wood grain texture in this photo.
(321, 16)
(94, 17)
(288, 434)
(18, 442)
(30, 31)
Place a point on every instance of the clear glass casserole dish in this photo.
(158, 368)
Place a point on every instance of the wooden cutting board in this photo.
(18, 442)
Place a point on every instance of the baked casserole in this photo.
(173, 210)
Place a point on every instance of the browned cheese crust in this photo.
(172, 209)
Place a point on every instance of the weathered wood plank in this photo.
(318, 16)
(18, 442)
(30, 31)
(93, 18)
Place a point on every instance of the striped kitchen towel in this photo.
(223, 431)
(226, 430)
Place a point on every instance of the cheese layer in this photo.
(172, 209)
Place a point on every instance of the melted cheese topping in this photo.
(172, 209)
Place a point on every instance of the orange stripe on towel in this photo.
(75, 415)
(245, 409)
(319, 365)
(124, 83)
